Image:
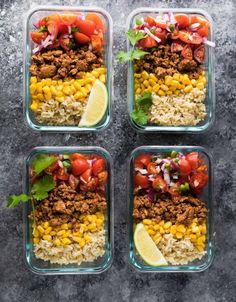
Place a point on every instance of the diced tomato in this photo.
(187, 52)
(63, 29)
(192, 158)
(148, 42)
(199, 54)
(98, 166)
(198, 182)
(81, 38)
(43, 21)
(102, 177)
(62, 174)
(144, 159)
(73, 182)
(202, 168)
(182, 20)
(162, 25)
(38, 37)
(96, 42)
(89, 186)
(54, 45)
(175, 34)
(151, 167)
(86, 176)
(53, 28)
(86, 27)
(187, 37)
(68, 19)
(159, 183)
(52, 168)
(141, 180)
(150, 20)
(79, 166)
(97, 20)
(76, 156)
(176, 47)
(64, 42)
(185, 167)
(203, 31)
(161, 34)
(198, 19)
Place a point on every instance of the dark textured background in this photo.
(120, 282)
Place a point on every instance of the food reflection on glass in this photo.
(69, 203)
(168, 55)
(170, 218)
(67, 70)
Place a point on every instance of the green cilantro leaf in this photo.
(74, 29)
(138, 54)
(171, 27)
(43, 29)
(134, 36)
(145, 99)
(66, 163)
(41, 188)
(140, 117)
(72, 45)
(42, 161)
(14, 200)
(124, 56)
(138, 22)
(66, 156)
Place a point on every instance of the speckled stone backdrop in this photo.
(120, 282)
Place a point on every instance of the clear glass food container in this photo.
(208, 67)
(207, 195)
(42, 267)
(41, 11)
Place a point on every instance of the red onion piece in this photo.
(166, 175)
(151, 194)
(147, 31)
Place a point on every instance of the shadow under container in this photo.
(207, 195)
(208, 67)
(33, 16)
(42, 267)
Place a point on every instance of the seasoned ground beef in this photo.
(163, 61)
(177, 209)
(65, 205)
(58, 64)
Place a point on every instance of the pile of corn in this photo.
(195, 232)
(78, 90)
(64, 234)
(148, 82)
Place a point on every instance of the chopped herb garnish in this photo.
(66, 163)
(173, 154)
(171, 27)
(14, 200)
(134, 36)
(138, 22)
(74, 29)
(42, 161)
(139, 116)
(142, 105)
(42, 29)
(72, 45)
(41, 188)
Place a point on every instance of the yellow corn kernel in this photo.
(57, 242)
(172, 88)
(101, 70)
(40, 97)
(62, 232)
(77, 239)
(176, 76)
(202, 80)
(145, 75)
(39, 87)
(32, 88)
(46, 89)
(87, 238)
(179, 235)
(177, 92)
(167, 225)
(157, 240)
(53, 90)
(204, 230)
(78, 95)
(59, 93)
(88, 87)
(138, 91)
(99, 222)
(200, 86)
(34, 106)
(95, 73)
(193, 82)
(195, 229)
(175, 83)
(162, 222)
(152, 82)
(40, 229)
(36, 240)
(102, 78)
(200, 248)
(186, 80)
(151, 232)
(60, 99)
(33, 80)
(162, 231)
(181, 228)
(168, 92)
(82, 243)
(152, 77)
(146, 83)
(156, 227)
(146, 227)
(83, 91)
(47, 237)
(173, 229)
(66, 241)
(48, 230)
(161, 92)
(53, 233)
(164, 87)
(188, 88)
(35, 232)
(77, 85)
(168, 80)
(147, 221)
(193, 237)
(64, 226)
(48, 82)
(137, 75)
(67, 90)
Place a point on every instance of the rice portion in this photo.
(52, 112)
(72, 253)
(186, 109)
(179, 252)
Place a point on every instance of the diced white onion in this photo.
(194, 25)
(147, 31)
(210, 43)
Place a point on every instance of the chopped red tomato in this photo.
(62, 174)
(52, 168)
(202, 169)
(97, 20)
(182, 20)
(187, 37)
(198, 181)
(148, 42)
(53, 28)
(102, 177)
(42, 21)
(64, 42)
(96, 42)
(63, 29)
(203, 31)
(98, 166)
(199, 54)
(161, 34)
(175, 34)
(185, 167)
(86, 27)
(159, 183)
(86, 176)
(192, 158)
(73, 182)
(38, 37)
(162, 25)
(141, 180)
(68, 19)
(176, 47)
(151, 168)
(79, 166)
(187, 52)
(81, 38)
(54, 45)
(139, 166)
(150, 20)
(144, 159)
(76, 156)
(89, 186)
(197, 19)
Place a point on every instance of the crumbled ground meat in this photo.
(178, 209)
(58, 64)
(163, 62)
(65, 205)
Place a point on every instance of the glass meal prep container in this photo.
(206, 196)
(101, 262)
(31, 23)
(208, 67)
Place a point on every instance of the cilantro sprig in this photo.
(134, 54)
(42, 161)
(142, 105)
